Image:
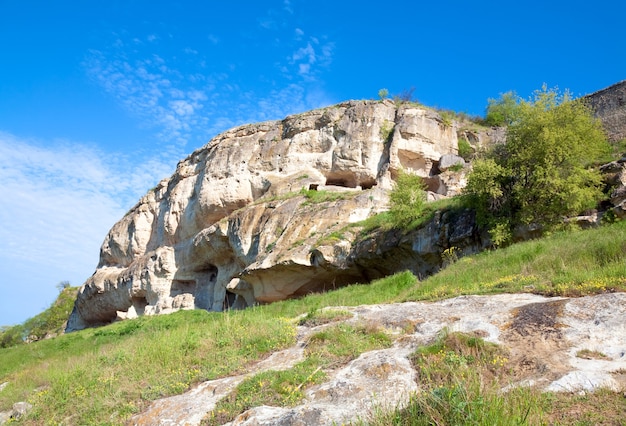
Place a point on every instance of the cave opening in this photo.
(182, 287)
(139, 303)
(229, 300)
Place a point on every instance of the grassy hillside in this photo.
(49, 323)
(104, 375)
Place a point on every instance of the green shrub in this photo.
(541, 174)
(503, 111)
(407, 199)
(386, 131)
(465, 149)
(50, 322)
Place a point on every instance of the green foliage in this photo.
(447, 117)
(50, 322)
(407, 199)
(383, 93)
(465, 149)
(92, 376)
(329, 348)
(386, 131)
(12, 335)
(503, 111)
(459, 385)
(540, 175)
(317, 197)
(567, 263)
(385, 221)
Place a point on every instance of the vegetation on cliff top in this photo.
(541, 174)
(49, 323)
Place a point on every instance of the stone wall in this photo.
(610, 107)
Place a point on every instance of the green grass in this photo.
(322, 196)
(572, 263)
(104, 375)
(465, 149)
(460, 378)
(329, 348)
(50, 322)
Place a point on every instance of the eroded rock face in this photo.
(229, 229)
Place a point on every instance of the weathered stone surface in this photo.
(228, 229)
(481, 137)
(609, 105)
(19, 410)
(449, 161)
(543, 336)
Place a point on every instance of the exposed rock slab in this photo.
(544, 337)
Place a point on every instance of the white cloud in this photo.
(182, 107)
(193, 99)
(151, 90)
(59, 200)
(287, 6)
(305, 53)
(304, 69)
(311, 59)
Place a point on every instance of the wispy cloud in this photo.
(60, 199)
(287, 6)
(311, 59)
(190, 94)
(186, 95)
(151, 90)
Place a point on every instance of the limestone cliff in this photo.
(232, 226)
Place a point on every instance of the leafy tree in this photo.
(407, 199)
(11, 336)
(541, 173)
(503, 111)
(383, 93)
(47, 323)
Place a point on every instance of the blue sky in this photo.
(100, 99)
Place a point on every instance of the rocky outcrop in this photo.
(547, 342)
(238, 222)
(614, 174)
(19, 410)
(609, 105)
